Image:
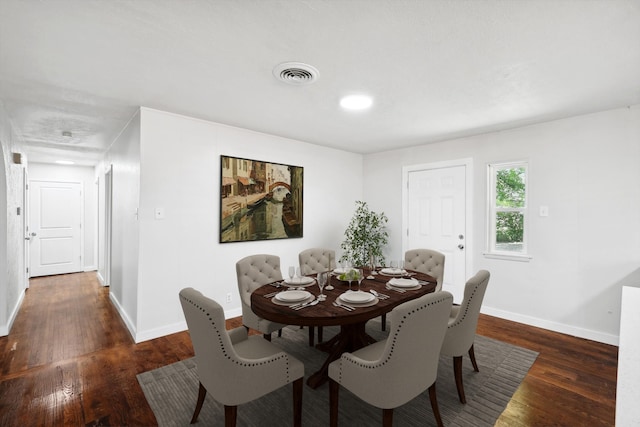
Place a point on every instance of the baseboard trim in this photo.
(101, 279)
(553, 326)
(123, 315)
(5, 329)
(176, 327)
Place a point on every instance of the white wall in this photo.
(86, 176)
(12, 268)
(628, 378)
(586, 169)
(180, 172)
(124, 155)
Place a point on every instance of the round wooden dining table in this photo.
(352, 335)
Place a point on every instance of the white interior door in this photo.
(55, 227)
(436, 219)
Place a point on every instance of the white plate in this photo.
(404, 283)
(393, 271)
(341, 270)
(298, 281)
(357, 297)
(292, 296)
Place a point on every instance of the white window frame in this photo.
(493, 210)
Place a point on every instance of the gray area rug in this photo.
(172, 390)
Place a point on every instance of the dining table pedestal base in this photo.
(350, 338)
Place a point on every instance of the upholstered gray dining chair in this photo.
(390, 373)
(314, 261)
(461, 331)
(233, 367)
(426, 261)
(254, 271)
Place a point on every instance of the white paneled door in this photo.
(435, 215)
(55, 227)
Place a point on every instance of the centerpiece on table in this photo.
(365, 237)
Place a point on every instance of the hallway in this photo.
(69, 359)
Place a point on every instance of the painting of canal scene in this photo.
(259, 200)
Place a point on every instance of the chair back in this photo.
(211, 342)
(426, 261)
(408, 364)
(461, 331)
(254, 271)
(316, 260)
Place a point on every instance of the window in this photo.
(507, 236)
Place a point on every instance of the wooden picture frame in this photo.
(259, 200)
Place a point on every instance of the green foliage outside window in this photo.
(510, 193)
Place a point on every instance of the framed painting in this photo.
(259, 200)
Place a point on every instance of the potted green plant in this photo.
(365, 237)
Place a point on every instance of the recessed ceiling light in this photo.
(65, 162)
(356, 102)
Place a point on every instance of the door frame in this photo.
(108, 223)
(25, 227)
(468, 214)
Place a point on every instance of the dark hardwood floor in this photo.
(69, 360)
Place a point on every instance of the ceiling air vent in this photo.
(296, 73)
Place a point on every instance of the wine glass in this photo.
(329, 286)
(292, 272)
(372, 265)
(322, 280)
(350, 277)
(360, 277)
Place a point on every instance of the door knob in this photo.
(33, 234)
(27, 238)
(461, 246)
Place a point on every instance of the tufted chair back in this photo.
(229, 363)
(426, 261)
(316, 260)
(252, 272)
(390, 373)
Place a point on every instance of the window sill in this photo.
(508, 257)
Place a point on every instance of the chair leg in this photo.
(383, 322)
(472, 355)
(202, 393)
(457, 372)
(334, 389)
(434, 404)
(297, 402)
(267, 337)
(387, 417)
(230, 416)
(279, 333)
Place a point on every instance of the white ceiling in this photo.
(436, 69)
